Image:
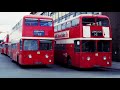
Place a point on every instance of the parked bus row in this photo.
(31, 41)
(83, 41)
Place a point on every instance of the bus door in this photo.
(88, 58)
(76, 60)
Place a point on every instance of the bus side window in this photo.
(20, 44)
(68, 25)
(78, 21)
(13, 46)
(77, 45)
(55, 29)
(75, 22)
(6, 45)
(63, 26)
(59, 27)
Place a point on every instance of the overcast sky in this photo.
(8, 20)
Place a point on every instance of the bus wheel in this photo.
(12, 60)
(18, 59)
(18, 62)
(69, 61)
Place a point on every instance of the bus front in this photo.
(37, 43)
(96, 43)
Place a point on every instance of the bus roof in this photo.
(98, 15)
(37, 16)
(82, 15)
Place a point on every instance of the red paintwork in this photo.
(21, 56)
(36, 58)
(27, 31)
(95, 60)
(78, 59)
(5, 51)
(2, 48)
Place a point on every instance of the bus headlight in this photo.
(38, 52)
(50, 60)
(46, 56)
(29, 56)
(108, 62)
(88, 58)
(104, 58)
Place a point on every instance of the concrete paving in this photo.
(8, 69)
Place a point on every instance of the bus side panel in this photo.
(59, 56)
(23, 58)
(75, 32)
(70, 52)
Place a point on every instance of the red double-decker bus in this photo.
(84, 41)
(5, 45)
(31, 41)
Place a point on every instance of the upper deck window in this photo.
(88, 21)
(75, 22)
(31, 21)
(59, 27)
(63, 26)
(102, 22)
(45, 22)
(55, 29)
(68, 24)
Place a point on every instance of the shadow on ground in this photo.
(103, 69)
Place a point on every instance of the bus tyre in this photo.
(18, 59)
(12, 60)
(18, 62)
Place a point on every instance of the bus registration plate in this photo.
(38, 63)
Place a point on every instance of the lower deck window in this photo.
(14, 46)
(6, 45)
(77, 46)
(103, 46)
(45, 45)
(88, 46)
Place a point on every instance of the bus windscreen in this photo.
(30, 45)
(102, 22)
(44, 22)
